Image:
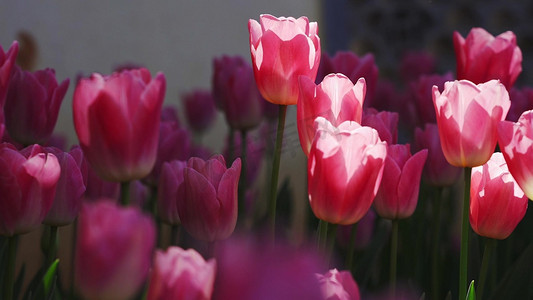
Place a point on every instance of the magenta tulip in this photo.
(398, 193)
(337, 285)
(181, 274)
(7, 61)
(337, 99)
(117, 121)
(208, 211)
(482, 57)
(384, 122)
(113, 251)
(497, 204)
(282, 50)
(27, 188)
(344, 168)
(415, 64)
(170, 190)
(32, 105)
(200, 111)
(516, 144)
(467, 116)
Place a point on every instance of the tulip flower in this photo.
(437, 170)
(415, 64)
(170, 190)
(338, 285)
(181, 274)
(351, 65)
(236, 93)
(337, 99)
(282, 50)
(516, 144)
(497, 203)
(482, 57)
(398, 193)
(113, 251)
(467, 116)
(208, 211)
(32, 105)
(117, 121)
(385, 122)
(344, 168)
(70, 188)
(200, 110)
(27, 188)
(7, 61)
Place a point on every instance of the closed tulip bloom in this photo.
(236, 93)
(344, 168)
(170, 190)
(113, 251)
(282, 50)
(70, 188)
(437, 170)
(200, 111)
(385, 122)
(208, 211)
(32, 105)
(497, 204)
(482, 57)
(414, 64)
(336, 98)
(337, 285)
(398, 193)
(516, 144)
(181, 274)
(467, 116)
(27, 188)
(117, 121)
(7, 61)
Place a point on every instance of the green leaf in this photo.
(471, 294)
(48, 278)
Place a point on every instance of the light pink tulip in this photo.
(482, 57)
(117, 121)
(337, 285)
(516, 144)
(467, 116)
(208, 211)
(397, 196)
(336, 98)
(497, 204)
(282, 50)
(344, 168)
(181, 274)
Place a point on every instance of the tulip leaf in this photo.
(471, 294)
(49, 277)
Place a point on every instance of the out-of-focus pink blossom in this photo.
(200, 111)
(415, 64)
(337, 285)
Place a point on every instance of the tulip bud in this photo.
(200, 110)
(170, 190)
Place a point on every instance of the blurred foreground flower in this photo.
(337, 285)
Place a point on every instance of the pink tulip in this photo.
(200, 110)
(113, 251)
(7, 61)
(437, 170)
(351, 65)
(398, 194)
(170, 114)
(32, 105)
(497, 204)
(282, 50)
(415, 64)
(337, 99)
(170, 190)
(181, 274)
(482, 57)
(208, 211)
(344, 168)
(385, 122)
(516, 144)
(467, 116)
(236, 93)
(70, 188)
(337, 285)
(117, 121)
(27, 188)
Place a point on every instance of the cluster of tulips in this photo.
(138, 174)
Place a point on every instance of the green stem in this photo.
(435, 257)
(463, 262)
(332, 234)
(125, 193)
(73, 257)
(52, 246)
(9, 279)
(322, 235)
(174, 234)
(275, 170)
(393, 257)
(242, 182)
(351, 248)
(490, 244)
